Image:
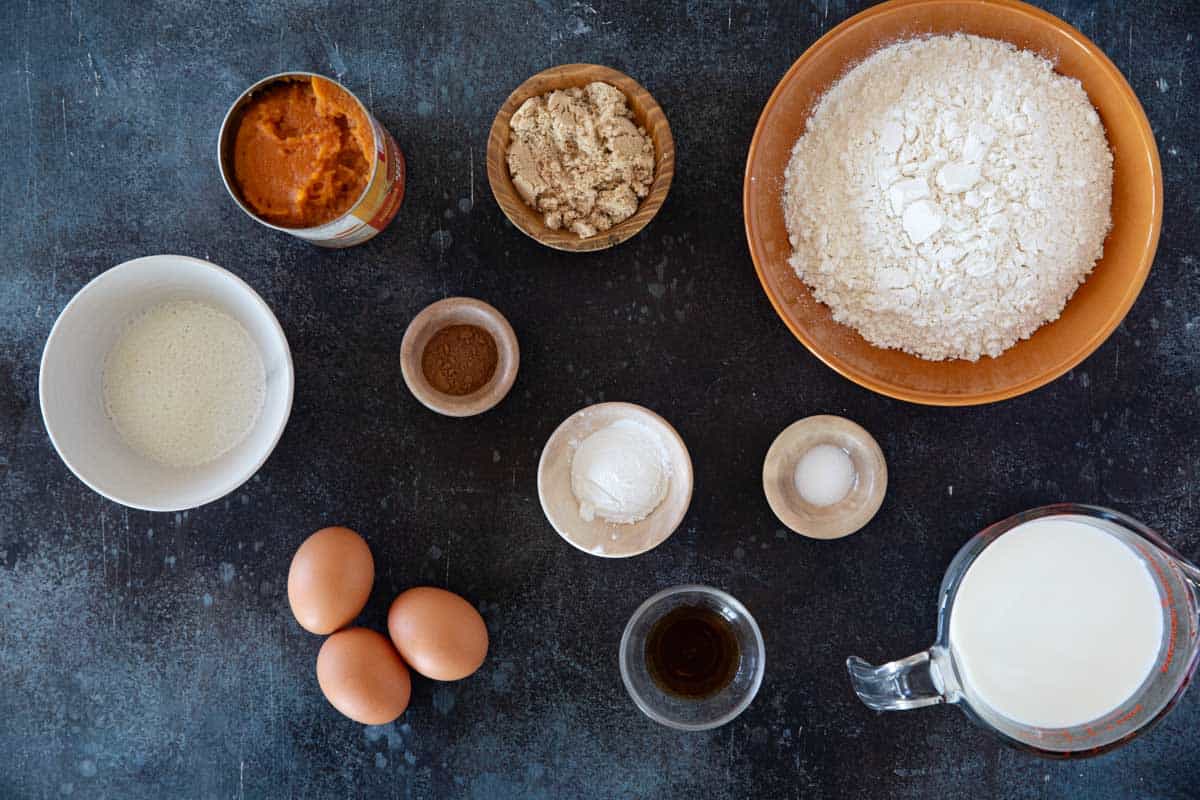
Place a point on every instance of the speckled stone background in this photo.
(152, 655)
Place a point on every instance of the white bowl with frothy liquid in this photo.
(72, 392)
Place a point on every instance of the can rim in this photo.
(222, 149)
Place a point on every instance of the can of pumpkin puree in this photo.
(375, 206)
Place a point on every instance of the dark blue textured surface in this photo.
(152, 655)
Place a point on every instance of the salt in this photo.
(825, 475)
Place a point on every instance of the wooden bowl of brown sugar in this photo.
(459, 357)
(646, 115)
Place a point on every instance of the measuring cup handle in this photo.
(898, 685)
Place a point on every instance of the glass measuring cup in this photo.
(934, 676)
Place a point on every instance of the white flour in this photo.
(948, 196)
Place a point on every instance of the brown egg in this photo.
(330, 579)
(362, 676)
(438, 633)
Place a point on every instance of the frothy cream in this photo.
(184, 384)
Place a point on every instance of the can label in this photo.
(378, 206)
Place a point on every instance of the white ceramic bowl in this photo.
(72, 370)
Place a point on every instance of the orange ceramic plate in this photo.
(1096, 308)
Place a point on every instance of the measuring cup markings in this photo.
(1168, 602)
(1129, 715)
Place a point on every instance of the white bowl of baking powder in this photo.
(73, 393)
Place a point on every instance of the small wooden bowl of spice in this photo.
(611, 187)
(459, 357)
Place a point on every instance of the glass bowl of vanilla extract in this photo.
(692, 657)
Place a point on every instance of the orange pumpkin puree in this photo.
(302, 153)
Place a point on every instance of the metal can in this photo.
(375, 207)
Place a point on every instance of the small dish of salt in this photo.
(825, 477)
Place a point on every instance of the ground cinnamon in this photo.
(460, 359)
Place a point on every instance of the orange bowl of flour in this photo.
(1093, 311)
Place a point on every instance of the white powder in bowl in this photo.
(184, 384)
(948, 196)
(620, 473)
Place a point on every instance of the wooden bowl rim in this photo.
(1136, 282)
(531, 224)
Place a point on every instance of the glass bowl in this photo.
(692, 714)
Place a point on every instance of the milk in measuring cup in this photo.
(1056, 623)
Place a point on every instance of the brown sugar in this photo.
(303, 152)
(578, 157)
(460, 359)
